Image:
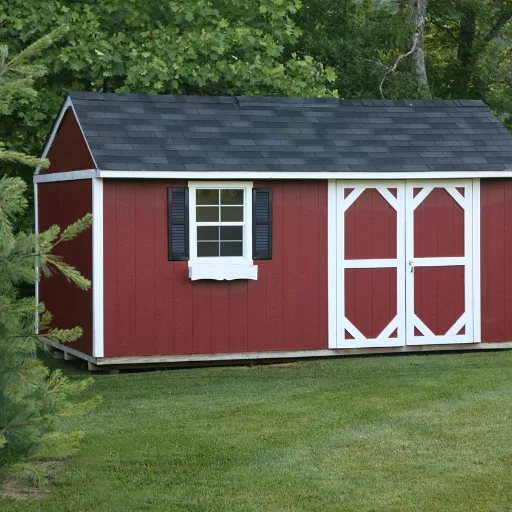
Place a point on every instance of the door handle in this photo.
(411, 265)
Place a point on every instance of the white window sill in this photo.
(222, 271)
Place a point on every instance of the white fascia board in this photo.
(297, 175)
(66, 176)
(67, 104)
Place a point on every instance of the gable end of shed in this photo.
(67, 148)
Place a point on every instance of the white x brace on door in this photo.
(403, 263)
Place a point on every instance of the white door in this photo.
(403, 263)
(370, 264)
(439, 254)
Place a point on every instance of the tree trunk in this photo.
(465, 53)
(418, 14)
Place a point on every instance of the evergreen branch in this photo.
(76, 228)
(4, 54)
(64, 335)
(22, 86)
(71, 274)
(39, 46)
(21, 158)
(12, 203)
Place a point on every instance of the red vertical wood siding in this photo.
(438, 226)
(496, 259)
(63, 203)
(370, 228)
(439, 296)
(69, 151)
(152, 308)
(370, 299)
(370, 233)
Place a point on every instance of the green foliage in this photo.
(174, 47)
(32, 399)
(360, 42)
(468, 47)
(17, 76)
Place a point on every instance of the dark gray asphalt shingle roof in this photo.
(154, 132)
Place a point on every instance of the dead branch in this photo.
(392, 69)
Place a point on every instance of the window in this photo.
(221, 230)
(220, 227)
(220, 222)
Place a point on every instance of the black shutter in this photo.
(262, 223)
(178, 223)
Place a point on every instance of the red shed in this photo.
(234, 228)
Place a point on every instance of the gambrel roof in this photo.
(197, 133)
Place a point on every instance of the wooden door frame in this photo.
(335, 239)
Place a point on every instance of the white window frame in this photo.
(221, 267)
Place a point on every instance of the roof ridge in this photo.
(272, 101)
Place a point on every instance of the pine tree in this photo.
(32, 399)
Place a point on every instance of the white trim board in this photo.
(97, 268)
(477, 292)
(36, 225)
(332, 266)
(310, 175)
(268, 175)
(66, 176)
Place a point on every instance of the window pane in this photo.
(231, 233)
(232, 213)
(208, 233)
(207, 196)
(207, 249)
(231, 249)
(207, 214)
(232, 196)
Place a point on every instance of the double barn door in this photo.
(404, 263)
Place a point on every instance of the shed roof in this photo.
(202, 133)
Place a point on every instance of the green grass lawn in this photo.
(426, 433)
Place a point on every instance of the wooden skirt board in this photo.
(404, 263)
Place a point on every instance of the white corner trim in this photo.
(332, 266)
(222, 272)
(36, 224)
(309, 175)
(97, 268)
(66, 176)
(67, 104)
(477, 298)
